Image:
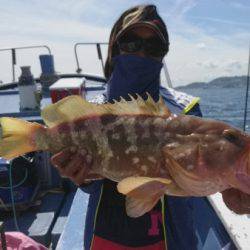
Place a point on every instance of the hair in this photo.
(135, 14)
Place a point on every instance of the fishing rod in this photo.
(246, 100)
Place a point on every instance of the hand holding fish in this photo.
(129, 141)
(71, 164)
(74, 165)
(237, 201)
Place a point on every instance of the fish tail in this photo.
(17, 137)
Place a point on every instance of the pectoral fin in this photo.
(136, 207)
(188, 182)
(142, 193)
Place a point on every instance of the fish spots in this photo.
(222, 146)
(174, 124)
(83, 135)
(116, 136)
(158, 121)
(190, 167)
(173, 145)
(151, 159)
(97, 139)
(168, 162)
(142, 130)
(131, 149)
(135, 160)
(130, 133)
(180, 156)
(75, 138)
(144, 168)
(188, 152)
(167, 136)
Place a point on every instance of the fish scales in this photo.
(129, 147)
(116, 141)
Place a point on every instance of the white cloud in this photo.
(233, 66)
(209, 64)
(59, 31)
(201, 46)
(194, 54)
(179, 7)
(242, 5)
(218, 20)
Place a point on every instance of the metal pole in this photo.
(29, 47)
(167, 74)
(79, 70)
(246, 100)
(99, 52)
(13, 52)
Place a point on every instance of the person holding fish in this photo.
(137, 45)
(146, 138)
(138, 42)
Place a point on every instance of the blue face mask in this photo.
(134, 75)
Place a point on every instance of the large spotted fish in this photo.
(141, 145)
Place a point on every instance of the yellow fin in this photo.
(136, 207)
(16, 137)
(130, 184)
(142, 193)
(74, 107)
(188, 182)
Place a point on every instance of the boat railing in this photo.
(99, 53)
(76, 46)
(14, 52)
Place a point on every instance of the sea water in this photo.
(225, 104)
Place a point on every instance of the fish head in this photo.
(237, 158)
(207, 163)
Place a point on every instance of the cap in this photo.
(141, 15)
(153, 21)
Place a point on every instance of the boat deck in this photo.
(44, 223)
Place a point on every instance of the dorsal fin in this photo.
(74, 107)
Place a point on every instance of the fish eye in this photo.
(233, 137)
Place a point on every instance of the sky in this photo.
(208, 38)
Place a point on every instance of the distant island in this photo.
(220, 82)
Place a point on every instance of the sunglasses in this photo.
(152, 46)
